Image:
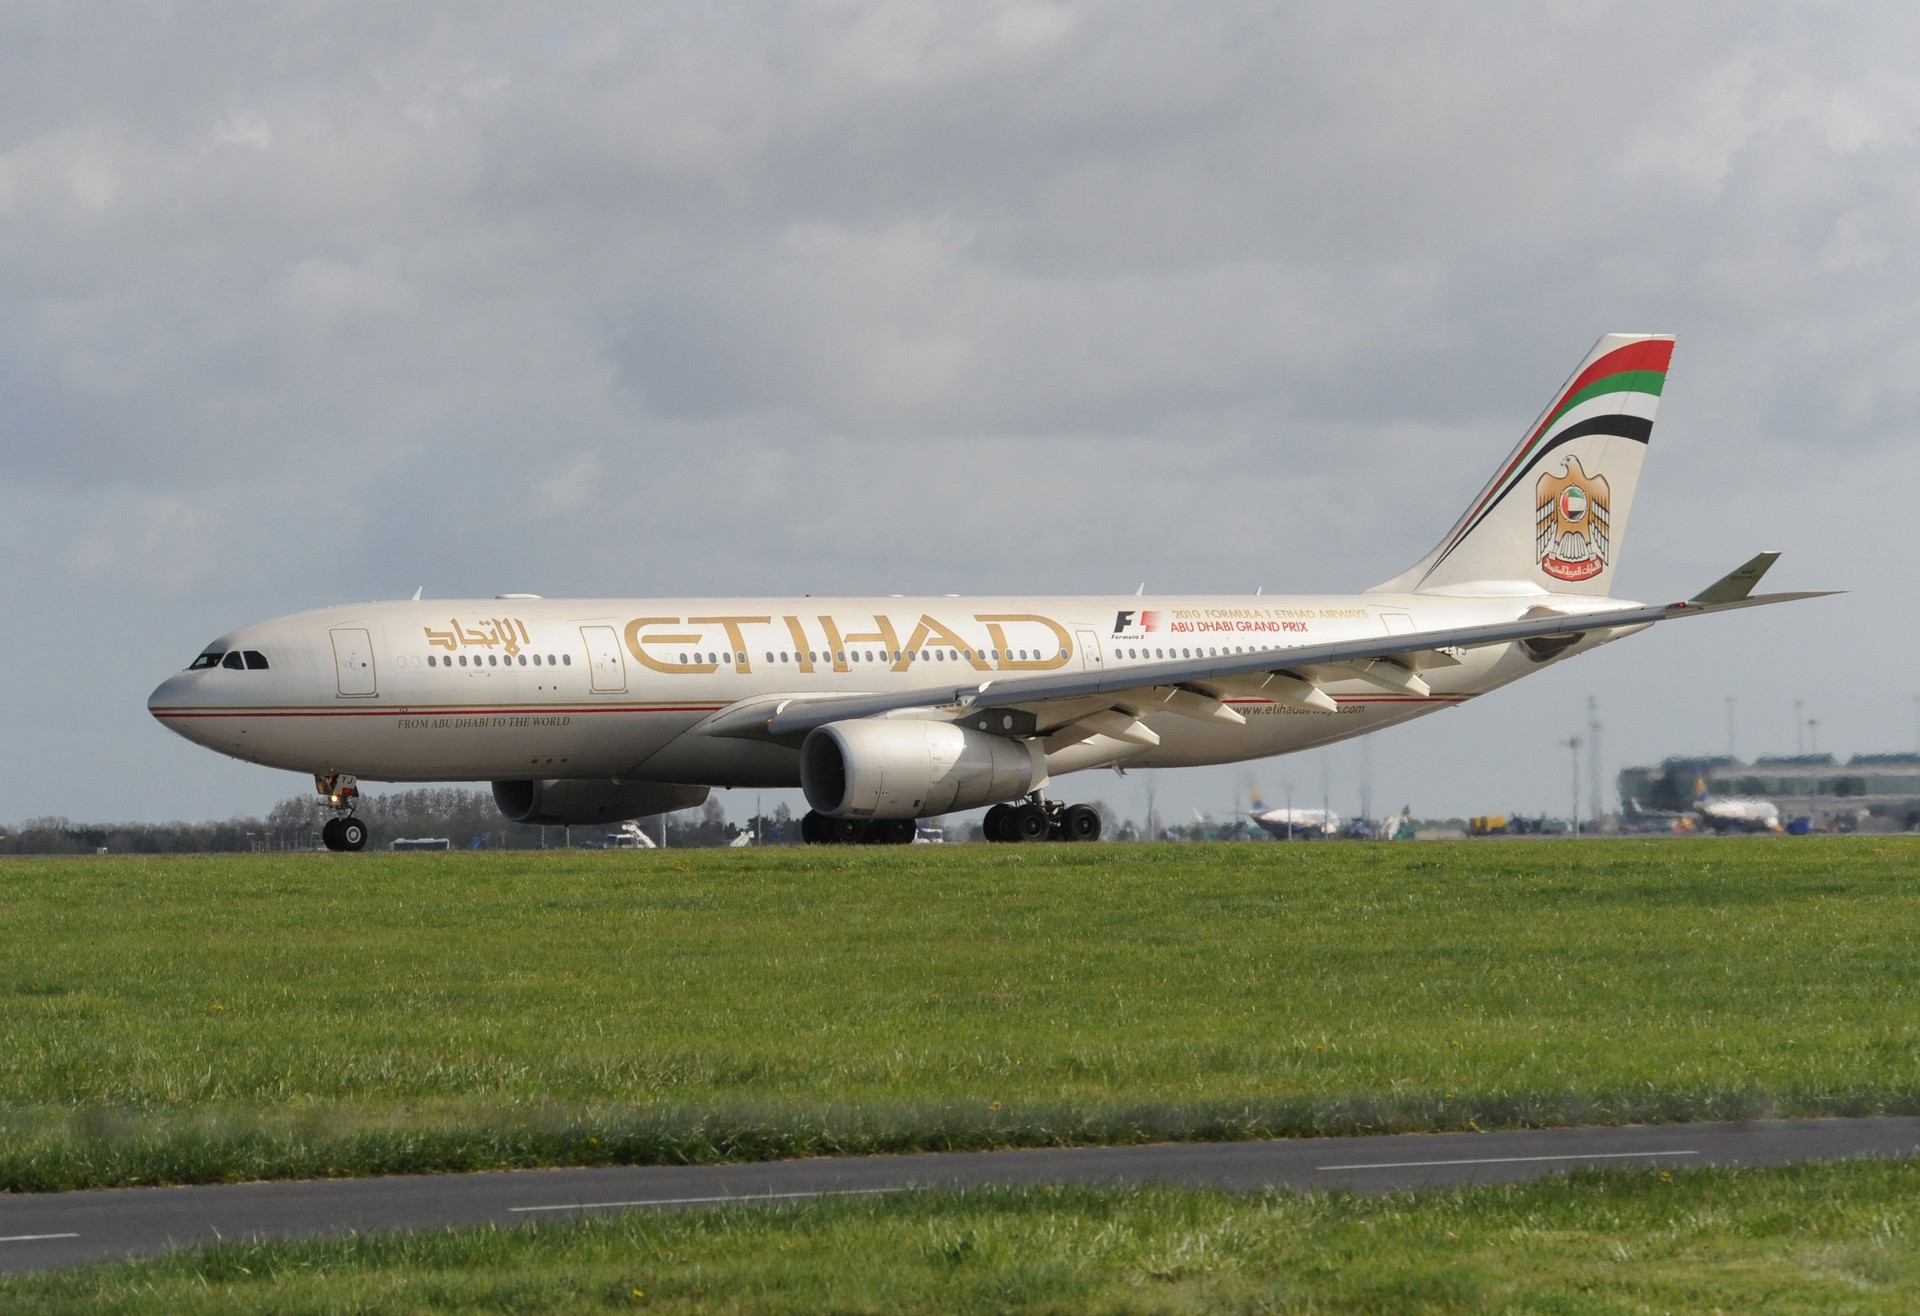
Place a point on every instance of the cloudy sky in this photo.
(309, 303)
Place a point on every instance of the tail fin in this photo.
(1555, 514)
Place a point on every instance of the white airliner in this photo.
(884, 710)
(1288, 823)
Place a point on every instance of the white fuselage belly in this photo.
(512, 688)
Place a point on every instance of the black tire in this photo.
(994, 825)
(330, 834)
(814, 829)
(1081, 822)
(353, 834)
(847, 831)
(892, 831)
(1029, 822)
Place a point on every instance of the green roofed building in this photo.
(1869, 792)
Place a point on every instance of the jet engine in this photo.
(565, 802)
(913, 768)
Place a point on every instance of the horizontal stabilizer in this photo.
(1738, 583)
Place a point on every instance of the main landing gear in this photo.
(1039, 819)
(343, 831)
(818, 829)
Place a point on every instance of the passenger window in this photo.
(492, 661)
(536, 660)
(567, 658)
(232, 660)
(432, 661)
(523, 660)
(463, 660)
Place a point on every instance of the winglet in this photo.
(1738, 583)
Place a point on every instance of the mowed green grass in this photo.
(233, 1017)
(1818, 1238)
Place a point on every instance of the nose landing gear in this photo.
(344, 834)
(344, 831)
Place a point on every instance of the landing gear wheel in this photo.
(848, 831)
(994, 825)
(330, 834)
(352, 833)
(1029, 822)
(1081, 822)
(814, 829)
(892, 831)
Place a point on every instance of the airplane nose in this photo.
(170, 694)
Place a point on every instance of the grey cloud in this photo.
(331, 301)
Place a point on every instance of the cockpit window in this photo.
(233, 660)
(256, 661)
(205, 661)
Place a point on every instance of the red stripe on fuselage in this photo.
(439, 710)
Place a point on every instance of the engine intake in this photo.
(913, 768)
(570, 802)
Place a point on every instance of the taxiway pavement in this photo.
(41, 1231)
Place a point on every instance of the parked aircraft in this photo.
(1291, 824)
(1722, 813)
(884, 710)
(1738, 814)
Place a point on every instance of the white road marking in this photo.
(1508, 1160)
(704, 1201)
(34, 1238)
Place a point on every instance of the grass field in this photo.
(180, 1020)
(1820, 1238)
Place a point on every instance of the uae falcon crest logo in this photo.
(1570, 522)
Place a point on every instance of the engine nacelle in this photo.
(912, 768)
(564, 802)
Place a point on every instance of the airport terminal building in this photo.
(1869, 792)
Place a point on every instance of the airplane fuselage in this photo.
(446, 690)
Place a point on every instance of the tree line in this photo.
(464, 817)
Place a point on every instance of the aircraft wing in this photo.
(1183, 685)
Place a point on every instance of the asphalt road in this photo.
(45, 1230)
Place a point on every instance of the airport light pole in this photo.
(1593, 760)
(1813, 735)
(1799, 739)
(1730, 753)
(1366, 770)
(1574, 743)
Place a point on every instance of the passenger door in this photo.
(353, 662)
(608, 668)
(1090, 660)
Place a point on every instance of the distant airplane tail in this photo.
(1555, 513)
